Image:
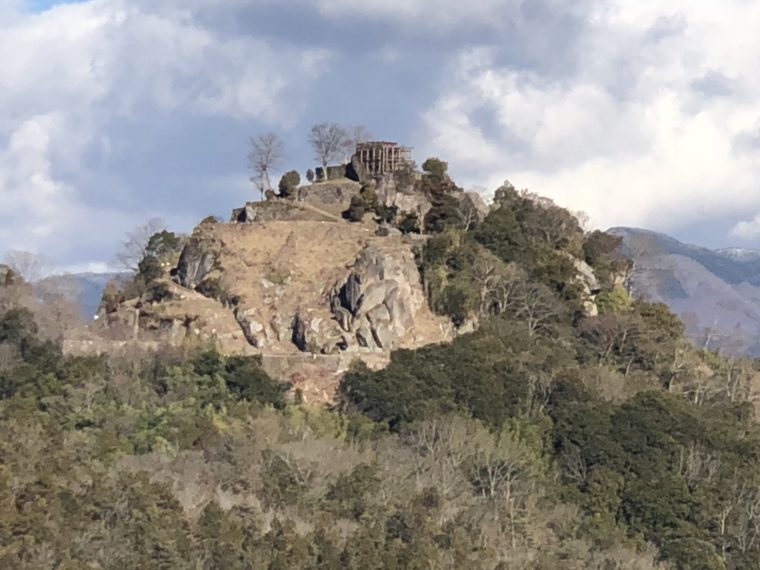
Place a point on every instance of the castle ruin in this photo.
(381, 157)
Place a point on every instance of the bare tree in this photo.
(485, 274)
(537, 306)
(133, 247)
(441, 447)
(329, 141)
(502, 470)
(498, 285)
(265, 155)
(9, 357)
(473, 207)
(31, 266)
(610, 335)
(356, 135)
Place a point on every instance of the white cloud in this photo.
(438, 17)
(748, 229)
(641, 130)
(90, 267)
(640, 113)
(429, 12)
(72, 72)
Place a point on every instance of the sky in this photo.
(636, 112)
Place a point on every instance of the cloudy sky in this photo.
(115, 111)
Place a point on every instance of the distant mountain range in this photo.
(85, 288)
(715, 292)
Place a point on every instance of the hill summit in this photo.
(310, 280)
(498, 399)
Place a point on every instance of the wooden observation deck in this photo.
(381, 157)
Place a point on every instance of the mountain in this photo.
(495, 397)
(715, 292)
(86, 289)
(290, 281)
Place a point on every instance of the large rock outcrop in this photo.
(383, 295)
(197, 260)
(292, 281)
(374, 308)
(308, 296)
(589, 284)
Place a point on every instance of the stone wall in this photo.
(332, 196)
(274, 210)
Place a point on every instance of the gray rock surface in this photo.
(195, 263)
(255, 333)
(381, 294)
(404, 197)
(371, 309)
(5, 271)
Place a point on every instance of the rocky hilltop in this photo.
(291, 281)
(325, 274)
(318, 287)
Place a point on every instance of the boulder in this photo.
(383, 335)
(312, 333)
(276, 325)
(364, 335)
(244, 215)
(351, 292)
(255, 333)
(386, 230)
(586, 278)
(195, 263)
(382, 294)
(473, 207)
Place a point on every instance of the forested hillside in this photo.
(549, 437)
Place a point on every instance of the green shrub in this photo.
(356, 210)
(386, 214)
(369, 197)
(157, 292)
(444, 214)
(435, 167)
(289, 184)
(163, 245)
(409, 224)
(149, 269)
(212, 288)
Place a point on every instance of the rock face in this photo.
(589, 283)
(394, 192)
(286, 288)
(5, 274)
(332, 196)
(473, 207)
(389, 294)
(375, 306)
(195, 263)
(280, 210)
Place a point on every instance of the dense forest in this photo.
(544, 439)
